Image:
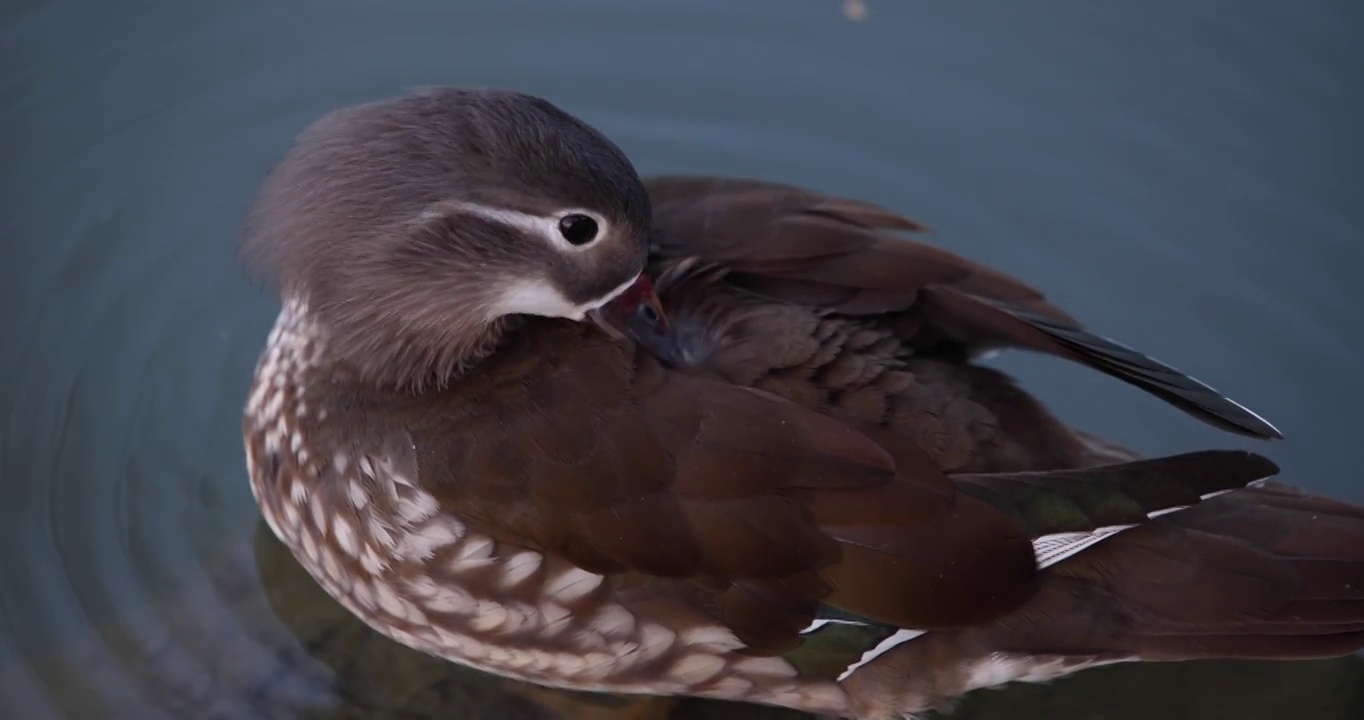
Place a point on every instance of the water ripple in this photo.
(139, 581)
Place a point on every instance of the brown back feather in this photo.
(836, 255)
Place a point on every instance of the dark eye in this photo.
(578, 229)
(647, 312)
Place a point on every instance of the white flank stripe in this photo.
(1212, 495)
(821, 623)
(899, 638)
(1051, 549)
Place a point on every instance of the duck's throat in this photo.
(377, 351)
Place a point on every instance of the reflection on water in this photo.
(1184, 178)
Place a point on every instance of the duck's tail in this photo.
(1265, 572)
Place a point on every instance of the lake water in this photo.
(1180, 175)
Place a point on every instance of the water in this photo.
(1181, 175)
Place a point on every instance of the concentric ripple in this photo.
(1152, 187)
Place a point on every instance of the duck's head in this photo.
(414, 228)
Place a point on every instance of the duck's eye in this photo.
(578, 229)
(647, 312)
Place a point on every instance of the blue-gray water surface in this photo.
(1180, 175)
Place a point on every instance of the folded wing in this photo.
(796, 246)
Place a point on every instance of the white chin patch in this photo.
(539, 297)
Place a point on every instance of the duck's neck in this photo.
(410, 360)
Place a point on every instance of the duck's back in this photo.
(827, 302)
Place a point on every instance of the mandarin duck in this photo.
(527, 412)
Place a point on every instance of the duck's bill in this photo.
(635, 311)
(603, 318)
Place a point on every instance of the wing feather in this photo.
(796, 246)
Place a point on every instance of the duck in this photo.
(526, 411)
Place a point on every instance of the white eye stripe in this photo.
(537, 297)
(533, 296)
(544, 226)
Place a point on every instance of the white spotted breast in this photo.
(361, 524)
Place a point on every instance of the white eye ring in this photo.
(579, 229)
(574, 229)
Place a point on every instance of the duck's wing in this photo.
(797, 246)
(764, 509)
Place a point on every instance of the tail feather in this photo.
(1021, 328)
(1265, 573)
(1129, 493)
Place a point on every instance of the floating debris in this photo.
(855, 10)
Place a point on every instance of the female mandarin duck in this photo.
(785, 482)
